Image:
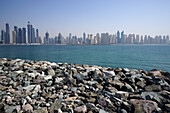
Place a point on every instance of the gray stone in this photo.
(27, 108)
(58, 79)
(122, 95)
(81, 109)
(51, 72)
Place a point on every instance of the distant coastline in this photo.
(82, 44)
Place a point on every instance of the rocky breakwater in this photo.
(42, 87)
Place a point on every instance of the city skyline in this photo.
(31, 36)
(139, 17)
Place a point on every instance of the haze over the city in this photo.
(141, 17)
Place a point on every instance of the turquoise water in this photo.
(131, 56)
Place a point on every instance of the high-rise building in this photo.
(145, 39)
(33, 35)
(37, 36)
(84, 38)
(59, 38)
(105, 38)
(141, 41)
(46, 40)
(125, 39)
(14, 36)
(118, 37)
(137, 39)
(3, 35)
(16, 31)
(29, 29)
(7, 38)
(98, 38)
(114, 40)
(167, 39)
(70, 39)
(122, 37)
(24, 40)
(20, 37)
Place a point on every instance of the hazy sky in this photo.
(150, 17)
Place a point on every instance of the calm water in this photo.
(131, 56)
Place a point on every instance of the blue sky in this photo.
(150, 17)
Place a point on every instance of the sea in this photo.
(145, 57)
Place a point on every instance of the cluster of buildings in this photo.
(20, 35)
(31, 36)
(118, 38)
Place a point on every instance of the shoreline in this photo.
(82, 44)
(43, 86)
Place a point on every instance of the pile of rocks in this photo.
(44, 87)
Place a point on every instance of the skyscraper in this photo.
(70, 40)
(14, 36)
(3, 35)
(7, 38)
(59, 38)
(37, 36)
(98, 38)
(16, 31)
(84, 38)
(122, 37)
(29, 27)
(33, 35)
(24, 40)
(118, 37)
(146, 39)
(141, 41)
(20, 37)
(46, 40)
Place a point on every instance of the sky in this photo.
(150, 17)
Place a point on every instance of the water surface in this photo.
(131, 56)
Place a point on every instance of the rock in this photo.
(55, 106)
(82, 88)
(58, 79)
(118, 85)
(91, 100)
(28, 65)
(70, 99)
(19, 72)
(154, 72)
(122, 95)
(136, 76)
(127, 88)
(123, 111)
(102, 111)
(135, 96)
(140, 84)
(112, 73)
(48, 77)
(74, 89)
(51, 72)
(3, 88)
(29, 99)
(152, 96)
(11, 109)
(2, 77)
(167, 107)
(37, 88)
(81, 109)
(45, 87)
(30, 87)
(144, 106)
(125, 70)
(65, 87)
(42, 110)
(27, 108)
(153, 88)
